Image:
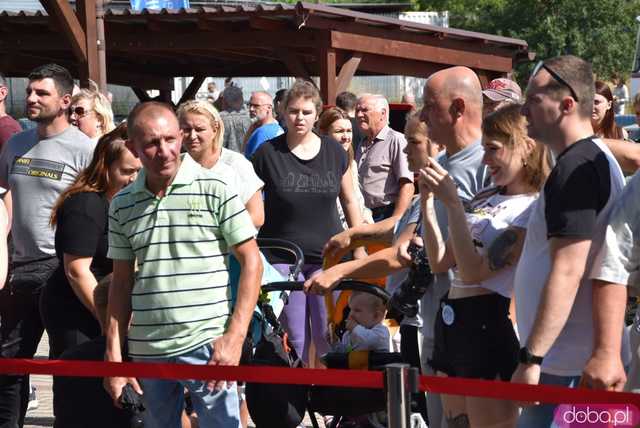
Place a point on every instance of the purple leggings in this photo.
(305, 316)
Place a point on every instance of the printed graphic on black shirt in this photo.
(38, 168)
(311, 183)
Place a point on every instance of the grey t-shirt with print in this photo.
(37, 171)
(470, 175)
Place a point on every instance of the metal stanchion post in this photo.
(398, 395)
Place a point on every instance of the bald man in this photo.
(265, 127)
(453, 114)
(383, 170)
(181, 312)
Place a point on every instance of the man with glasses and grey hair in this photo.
(556, 301)
(265, 126)
(8, 125)
(383, 170)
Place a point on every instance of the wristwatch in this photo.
(526, 357)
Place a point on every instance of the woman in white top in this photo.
(335, 123)
(473, 333)
(203, 132)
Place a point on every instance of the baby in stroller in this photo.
(364, 330)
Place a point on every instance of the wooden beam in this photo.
(415, 51)
(164, 97)
(89, 69)
(62, 11)
(347, 71)
(141, 94)
(484, 78)
(327, 60)
(383, 65)
(121, 75)
(192, 89)
(293, 64)
(259, 23)
(214, 40)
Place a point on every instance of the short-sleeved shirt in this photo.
(37, 171)
(300, 196)
(487, 219)
(381, 164)
(618, 261)
(236, 125)
(264, 133)
(238, 171)
(82, 224)
(574, 203)
(8, 127)
(181, 296)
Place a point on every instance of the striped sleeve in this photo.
(119, 244)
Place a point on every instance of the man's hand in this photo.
(227, 350)
(323, 282)
(114, 385)
(337, 246)
(604, 372)
(528, 374)
(403, 254)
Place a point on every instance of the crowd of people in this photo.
(121, 239)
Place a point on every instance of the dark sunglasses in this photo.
(80, 111)
(540, 65)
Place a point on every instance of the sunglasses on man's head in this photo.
(540, 65)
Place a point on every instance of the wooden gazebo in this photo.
(146, 50)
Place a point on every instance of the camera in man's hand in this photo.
(132, 402)
(404, 301)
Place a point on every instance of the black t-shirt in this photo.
(577, 190)
(81, 230)
(300, 195)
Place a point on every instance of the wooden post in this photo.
(90, 69)
(191, 90)
(102, 56)
(347, 71)
(327, 58)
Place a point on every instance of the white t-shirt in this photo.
(239, 172)
(486, 222)
(559, 207)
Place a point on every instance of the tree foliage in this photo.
(601, 31)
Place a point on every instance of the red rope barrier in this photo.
(332, 377)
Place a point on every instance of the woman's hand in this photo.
(436, 179)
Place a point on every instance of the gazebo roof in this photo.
(146, 48)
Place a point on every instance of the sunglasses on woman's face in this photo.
(80, 111)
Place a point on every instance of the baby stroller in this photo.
(285, 405)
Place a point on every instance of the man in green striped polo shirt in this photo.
(179, 222)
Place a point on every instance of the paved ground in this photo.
(43, 415)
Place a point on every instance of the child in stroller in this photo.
(364, 330)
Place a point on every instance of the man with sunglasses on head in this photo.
(35, 166)
(555, 300)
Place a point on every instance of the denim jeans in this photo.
(20, 332)
(542, 416)
(164, 399)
